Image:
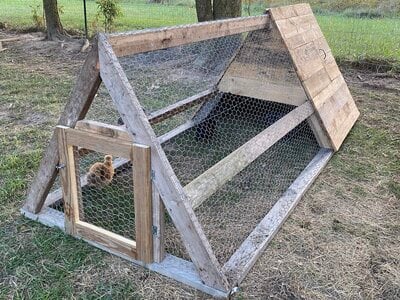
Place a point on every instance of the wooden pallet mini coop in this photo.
(215, 129)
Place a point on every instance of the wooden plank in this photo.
(210, 181)
(244, 258)
(315, 84)
(106, 238)
(180, 106)
(68, 180)
(176, 131)
(143, 202)
(164, 177)
(320, 76)
(260, 89)
(57, 195)
(302, 9)
(285, 12)
(158, 226)
(328, 92)
(106, 145)
(172, 267)
(47, 216)
(13, 39)
(81, 98)
(107, 130)
(319, 131)
(150, 40)
(307, 61)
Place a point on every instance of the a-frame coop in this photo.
(215, 132)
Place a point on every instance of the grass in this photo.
(351, 38)
(341, 242)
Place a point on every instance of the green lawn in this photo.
(352, 39)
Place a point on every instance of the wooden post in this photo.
(143, 206)
(81, 98)
(158, 227)
(68, 180)
(167, 183)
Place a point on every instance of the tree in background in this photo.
(208, 10)
(54, 28)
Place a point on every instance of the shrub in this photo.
(108, 10)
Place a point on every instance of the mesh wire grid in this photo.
(218, 124)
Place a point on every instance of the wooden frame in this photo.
(329, 109)
(103, 139)
(81, 98)
(149, 40)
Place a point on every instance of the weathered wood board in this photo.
(262, 69)
(317, 70)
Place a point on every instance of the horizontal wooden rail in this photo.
(176, 108)
(107, 239)
(211, 180)
(104, 144)
(107, 130)
(149, 40)
(244, 258)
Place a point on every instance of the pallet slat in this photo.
(107, 239)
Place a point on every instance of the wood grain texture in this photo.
(158, 226)
(150, 40)
(68, 180)
(107, 130)
(165, 179)
(85, 89)
(244, 258)
(318, 72)
(210, 181)
(106, 238)
(258, 89)
(107, 145)
(143, 202)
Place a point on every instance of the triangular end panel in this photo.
(317, 70)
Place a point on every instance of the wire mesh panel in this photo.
(106, 195)
(229, 90)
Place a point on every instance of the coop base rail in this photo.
(171, 266)
(211, 180)
(247, 254)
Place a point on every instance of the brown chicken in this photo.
(101, 173)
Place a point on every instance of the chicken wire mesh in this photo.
(105, 191)
(220, 122)
(212, 127)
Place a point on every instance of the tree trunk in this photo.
(223, 9)
(204, 10)
(53, 24)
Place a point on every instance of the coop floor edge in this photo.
(184, 271)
